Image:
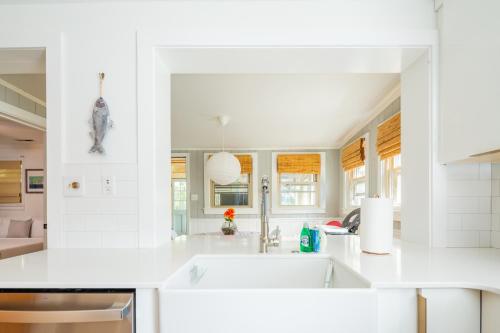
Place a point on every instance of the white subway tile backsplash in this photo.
(463, 205)
(126, 172)
(93, 188)
(495, 171)
(454, 222)
(463, 238)
(495, 222)
(89, 171)
(485, 239)
(469, 188)
(495, 239)
(463, 171)
(126, 188)
(126, 222)
(73, 223)
(495, 187)
(119, 239)
(485, 204)
(82, 205)
(495, 205)
(485, 171)
(100, 223)
(476, 222)
(83, 239)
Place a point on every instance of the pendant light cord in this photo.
(223, 137)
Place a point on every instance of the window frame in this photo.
(253, 190)
(277, 208)
(346, 195)
(385, 179)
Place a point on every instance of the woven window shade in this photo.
(10, 181)
(389, 137)
(353, 155)
(245, 162)
(178, 168)
(299, 163)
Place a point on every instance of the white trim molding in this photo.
(208, 209)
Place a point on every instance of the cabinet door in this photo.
(469, 78)
(452, 310)
(490, 306)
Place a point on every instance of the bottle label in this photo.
(304, 241)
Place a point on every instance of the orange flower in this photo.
(229, 214)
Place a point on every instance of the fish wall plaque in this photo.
(100, 121)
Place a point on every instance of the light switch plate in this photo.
(108, 185)
(74, 186)
(194, 197)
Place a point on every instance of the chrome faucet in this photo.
(267, 240)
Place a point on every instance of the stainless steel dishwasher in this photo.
(74, 311)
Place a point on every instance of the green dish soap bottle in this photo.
(305, 239)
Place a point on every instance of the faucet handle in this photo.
(276, 234)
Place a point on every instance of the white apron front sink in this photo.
(266, 293)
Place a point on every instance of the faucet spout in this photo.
(265, 240)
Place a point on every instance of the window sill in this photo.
(238, 211)
(12, 206)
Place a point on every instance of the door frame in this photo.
(154, 109)
(54, 138)
(187, 156)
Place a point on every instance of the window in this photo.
(353, 159)
(236, 194)
(10, 182)
(241, 194)
(356, 185)
(299, 189)
(391, 179)
(300, 183)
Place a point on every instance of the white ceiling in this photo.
(288, 60)
(22, 61)
(10, 131)
(273, 110)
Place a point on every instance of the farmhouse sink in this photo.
(266, 293)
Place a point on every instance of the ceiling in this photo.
(288, 60)
(273, 110)
(10, 131)
(22, 61)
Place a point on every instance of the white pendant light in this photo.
(223, 168)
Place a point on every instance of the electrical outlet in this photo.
(108, 185)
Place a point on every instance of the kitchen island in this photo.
(409, 270)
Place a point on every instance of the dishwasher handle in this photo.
(118, 311)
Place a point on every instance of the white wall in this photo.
(33, 157)
(469, 77)
(415, 157)
(102, 37)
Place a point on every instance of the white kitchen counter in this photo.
(409, 266)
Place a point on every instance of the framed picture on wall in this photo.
(34, 180)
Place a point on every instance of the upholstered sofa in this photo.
(31, 241)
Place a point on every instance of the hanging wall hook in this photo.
(101, 79)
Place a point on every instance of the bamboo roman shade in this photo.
(179, 168)
(299, 163)
(245, 162)
(389, 137)
(10, 181)
(353, 155)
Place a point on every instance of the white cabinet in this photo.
(451, 310)
(469, 78)
(490, 312)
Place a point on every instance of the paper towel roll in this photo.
(376, 225)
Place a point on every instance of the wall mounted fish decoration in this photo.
(100, 121)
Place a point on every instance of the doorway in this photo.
(180, 194)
